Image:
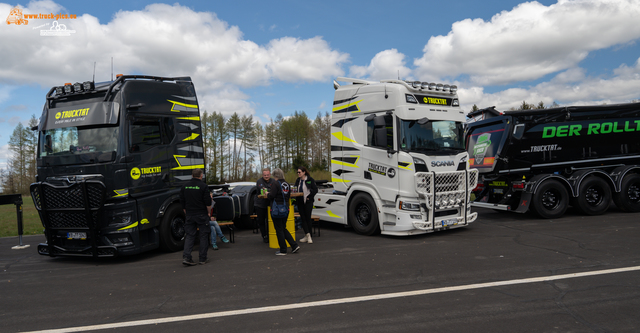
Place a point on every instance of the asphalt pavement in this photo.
(505, 272)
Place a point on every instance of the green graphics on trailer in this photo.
(481, 146)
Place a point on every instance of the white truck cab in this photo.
(398, 159)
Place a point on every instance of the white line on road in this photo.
(340, 301)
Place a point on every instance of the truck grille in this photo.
(65, 207)
(445, 190)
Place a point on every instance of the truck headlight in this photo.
(420, 164)
(407, 205)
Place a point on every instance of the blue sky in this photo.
(275, 57)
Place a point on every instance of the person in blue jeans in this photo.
(215, 231)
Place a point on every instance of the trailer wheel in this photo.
(363, 215)
(628, 199)
(172, 229)
(551, 200)
(594, 196)
(245, 221)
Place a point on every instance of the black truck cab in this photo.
(111, 160)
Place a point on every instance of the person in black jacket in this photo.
(280, 193)
(306, 185)
(196, 204)
(260, 205)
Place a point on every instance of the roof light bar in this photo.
(68, 88)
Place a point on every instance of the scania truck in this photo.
(111, 159)
(549, 159)
(398, 159)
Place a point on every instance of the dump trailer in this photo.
(398, 159)
(549, 159)
(111, 160)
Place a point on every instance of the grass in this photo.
(30, 219)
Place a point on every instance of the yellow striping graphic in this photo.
(330, 213)
(193, 136)
(342, 107)
(343, 137)
(130, 226)
(354, 164)
(121, 193)
(189, 118)
(405, 167)
(184, 106)
(339, 180)
(186, 167)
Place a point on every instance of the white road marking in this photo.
(339, 301)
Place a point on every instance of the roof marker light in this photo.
(87, 85)
(68, 88)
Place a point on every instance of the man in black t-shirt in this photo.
(196, 203)
(260, 205)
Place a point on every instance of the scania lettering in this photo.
(398, 159)
(111, 159)
(547, 160)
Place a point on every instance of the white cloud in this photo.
(322, 105)
(571, 87)
(388, 64)
(162, 40)
(530, 41)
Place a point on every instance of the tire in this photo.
(551, 200)
(172, 229)
(245, 221)
(594, 196)
(628, 199)
(363, 215)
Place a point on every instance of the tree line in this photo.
(235, 148)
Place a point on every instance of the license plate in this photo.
(449, 222)
(76, 235)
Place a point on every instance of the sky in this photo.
(264, 58)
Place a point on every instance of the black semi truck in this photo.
(111, 159)
(546, 160)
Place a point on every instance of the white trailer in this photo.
(398, 159)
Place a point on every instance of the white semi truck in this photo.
(398, 159)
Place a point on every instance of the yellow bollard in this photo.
(291, 226)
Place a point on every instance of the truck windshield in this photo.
(432, 135)
(89, 144)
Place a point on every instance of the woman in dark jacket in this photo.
(306, 185)
(280, 193)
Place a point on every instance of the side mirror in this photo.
(518, 131)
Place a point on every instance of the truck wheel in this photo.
(363, 215)
(172, 229)
(245, 221)
(594, 196)
(551, 200)
(628, 199)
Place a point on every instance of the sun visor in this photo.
(99, 113)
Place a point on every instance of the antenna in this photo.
(398, 74)
(111, 68)
(94, 72)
